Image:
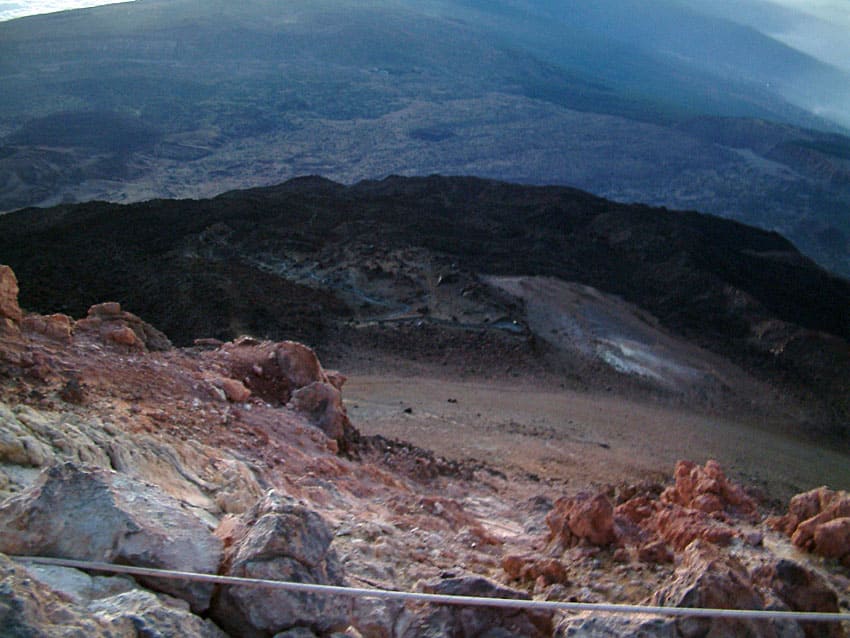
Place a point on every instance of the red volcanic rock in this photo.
(707, 489)
(637, 509)
(819, 521)
(832, 539)
(123, 336)
(9, 308)
(655, 552)
(699, 505)
(272, 371)
(530, 567)
(581, 517)
(112, 325)
(57, 327)
(322, 404)
(234, 390)
(336, 378)
(680, 526)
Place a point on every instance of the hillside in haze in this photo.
(188, 99)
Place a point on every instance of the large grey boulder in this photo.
(94, 514)
(67, 603)
(473, 622)
(614, 626)
(280, 539)
(152, 615)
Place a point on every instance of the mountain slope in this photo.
(190, 99)
(311, 257)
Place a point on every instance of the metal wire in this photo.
(443, 599)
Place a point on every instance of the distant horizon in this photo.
(10, 10)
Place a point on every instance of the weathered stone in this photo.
(112, 325)
(644, 626)
(121, 335)
(818, 521)
(95, 514)
(9, 308)
(471, 622)
(803, 589)
(280, 539)
(707, 489)
(57, 327)
(336, 378)
(581, 517)
(710, 579)
(679, 527)
(30, 608)
(107, 309)
(375, 617)
(151, 615)
(832, 539)
(655, 552)
(531, 567)
(235, 390)
(272, 371)
(322, 404)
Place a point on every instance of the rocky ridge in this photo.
(205, 458)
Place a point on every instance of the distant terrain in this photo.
(476, 276)
(190, 99)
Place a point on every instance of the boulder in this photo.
(57, 601)
(94, 514)
(679, 527)
(272, 371)
(150, 615)
(9, 308)
(279, 539)
(472, 622)
(708, 578)
(57, 327)
(234, 390)
(114, 326)
(606, 626)
(819, 521)
(30, 608)
(533, 568)
(581, 517)
(322, 404)
(802, 589)
(707, 489)
(832, 539)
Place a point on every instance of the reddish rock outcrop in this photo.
(272, 371)
(708, 490)
(115, 326)
(532, 568)
(58, 327)
(10, 311)
(583, 517)
(818, 521)
(322, 404)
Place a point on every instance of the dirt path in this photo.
(582, 439)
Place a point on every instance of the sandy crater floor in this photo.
(583, 439)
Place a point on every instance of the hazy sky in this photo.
(823, 36)
(20, 8)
